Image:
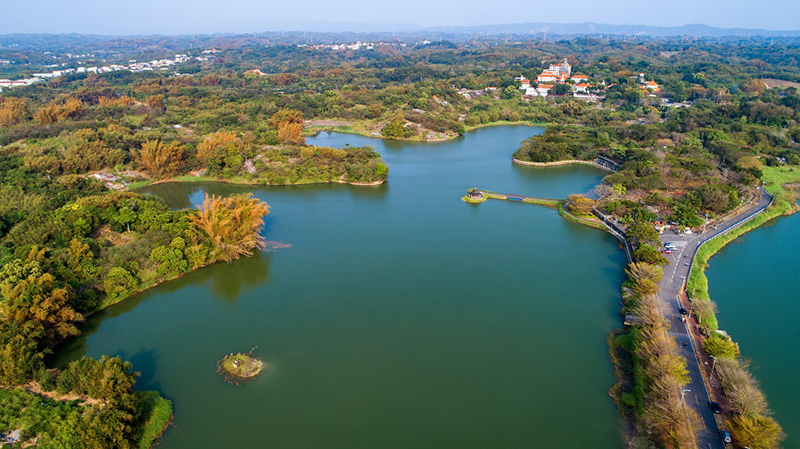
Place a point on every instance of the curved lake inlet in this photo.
(399, 317)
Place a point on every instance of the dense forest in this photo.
(75, 237)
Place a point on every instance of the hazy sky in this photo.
(242, 16)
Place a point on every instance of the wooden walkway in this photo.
(549, 202)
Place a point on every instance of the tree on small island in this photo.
(239, 368)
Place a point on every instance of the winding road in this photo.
(671, 287)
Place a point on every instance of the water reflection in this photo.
(229, 281)
(177, 196)
(412, 314)
(190, 195)
(145, 361)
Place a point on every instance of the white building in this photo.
(581, 87)
(544, 89)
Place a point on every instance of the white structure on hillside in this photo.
(556, 72)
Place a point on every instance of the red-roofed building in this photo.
(546, 77)
(651, 85)
(581, 87)
(543, 89)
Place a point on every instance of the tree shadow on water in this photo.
(145, 361)
(230, 280)
(176, 195)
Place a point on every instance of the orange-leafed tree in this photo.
(12, 111)
(160, 159)
(233, 224)
(217, 146)
(289, 134)
(286, 115)
(73, 108)
(289, 123)
(48, 114)
(120, 101)
(156, 101)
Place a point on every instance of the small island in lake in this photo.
(239, 368)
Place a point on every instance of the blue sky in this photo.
(244, 16)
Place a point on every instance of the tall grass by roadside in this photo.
(748, 417)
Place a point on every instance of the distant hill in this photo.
(591, 28)
(337, 32)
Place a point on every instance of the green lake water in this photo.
(398, 317)
(755, 282)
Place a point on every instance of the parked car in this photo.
(667, 251)
(670, 246)
(715, 407)
(726, 437)
(683, 311)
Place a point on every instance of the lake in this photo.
(755, 284)
(398, 317)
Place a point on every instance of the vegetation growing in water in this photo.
(239, 368)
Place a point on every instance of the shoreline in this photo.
(198, 179)
(553, 164)
(561, 163)
(316, 129)
(783, 203)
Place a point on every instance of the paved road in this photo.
(671, 283)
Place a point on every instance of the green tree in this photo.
(32, 296)
(580, 205)
(19, 351)
(125, 216)
(641, 232)
(395, 127)
(686, 215)
(109, 378)
(119, 283)
(510, 93)
(718, 345)
(756, 431)
(562, 89)
(648, 254)
(170, 259)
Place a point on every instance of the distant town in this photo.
(132, 66)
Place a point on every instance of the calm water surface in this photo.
(399, 317)
(755, 283)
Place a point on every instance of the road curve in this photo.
(670, 288)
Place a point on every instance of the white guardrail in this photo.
(728, 229)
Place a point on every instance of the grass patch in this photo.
(155, 414)
(139, 184)
(785, 203)
(242, 365)
(575, 219)
(36, 416)
(467, 199)
(552, 204)
(190, 178)
(239, 368)
(506, 122)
